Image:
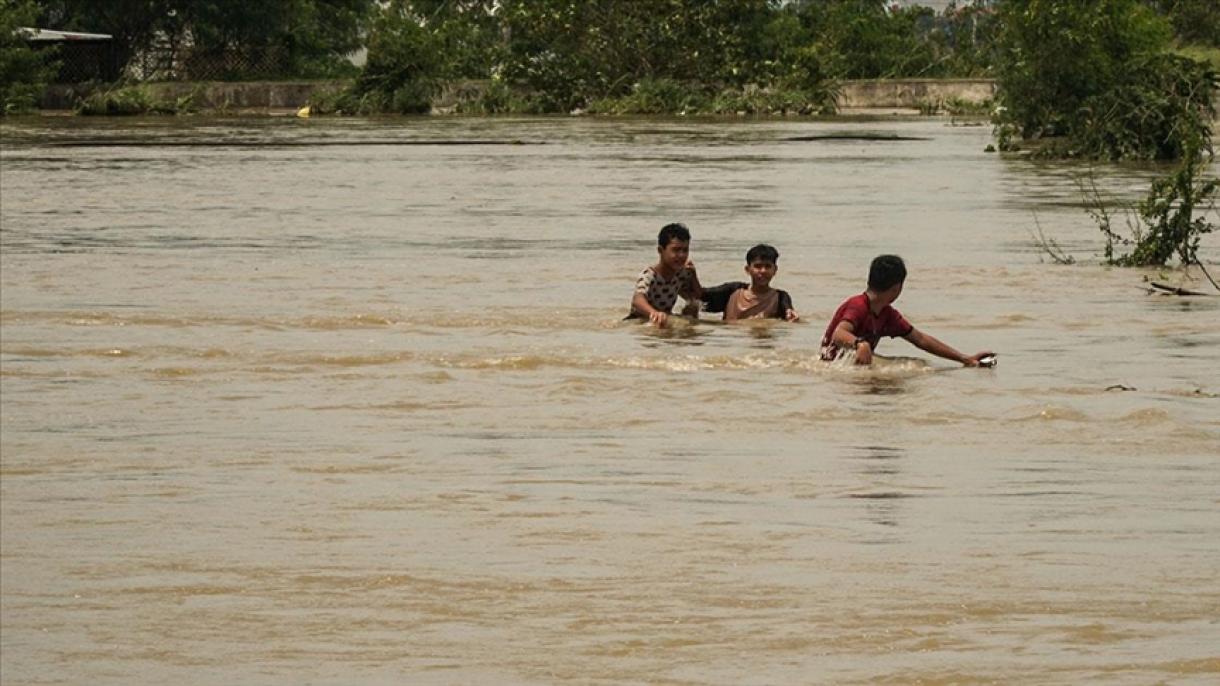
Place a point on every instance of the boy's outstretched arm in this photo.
(939, 348)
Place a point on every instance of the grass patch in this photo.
(133, 100)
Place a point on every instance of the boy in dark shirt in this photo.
(862, 320)
(757, 299)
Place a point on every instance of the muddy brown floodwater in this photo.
(310, 402)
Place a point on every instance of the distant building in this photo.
(80, 56)
(941, 5)
(938, 5)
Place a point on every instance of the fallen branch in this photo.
(1174, 290)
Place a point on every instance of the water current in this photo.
(350, 402)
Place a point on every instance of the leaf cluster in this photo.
(653, 56)
(23, 71)
(1053, 56)
(312, 36)
(1160, 108)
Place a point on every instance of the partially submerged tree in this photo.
(1097, 76)
(1169, 222)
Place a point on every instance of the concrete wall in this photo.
(246, 95)
(910, 93)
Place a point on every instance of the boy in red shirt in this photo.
(862, 320)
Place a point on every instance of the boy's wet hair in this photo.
(885, 272)
(762, 253)
(672, 232)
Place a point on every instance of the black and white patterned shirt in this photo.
(662, 293)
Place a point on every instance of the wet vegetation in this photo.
(23, 72)
(1104, 80)
(656, 56)
(1097, 81)
(133, 100)
(1169, 222)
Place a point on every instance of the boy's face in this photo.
(761, 272)
(889, 295)
(675, 254)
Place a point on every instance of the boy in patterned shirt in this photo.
(860, 322)
(673, 275)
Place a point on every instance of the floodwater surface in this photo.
(350, 401)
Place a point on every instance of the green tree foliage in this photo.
(1194, 21)
(405, 66)
(867, 39)
(1160, 108)
(307, 37)
(1052, 56)
(768, 55)
(963, 39)
(1097, 76)
(23, 72)
(571, 50)
(133, 23)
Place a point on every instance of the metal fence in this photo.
(170, 63)
(78, 61)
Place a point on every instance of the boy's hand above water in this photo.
(792, 316)
(974, 360)
(659, 318)
(864, 352)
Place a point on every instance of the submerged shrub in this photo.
(496, 98)
(1054, 56)
(1169, 222)
(752, 100)
(1159, 107)
(134, 100)
(121, 101)
(654, 96)
(1096, 80)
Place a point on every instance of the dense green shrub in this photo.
(1194, 21)
(116, 102)
(23, 72)
(654, 96)
(132, 100)
(405, 67)
(1160, 106)
(867, 39)
(1053, 56)
(288, 38)
(494, 97)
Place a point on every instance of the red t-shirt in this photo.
(867, 326)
